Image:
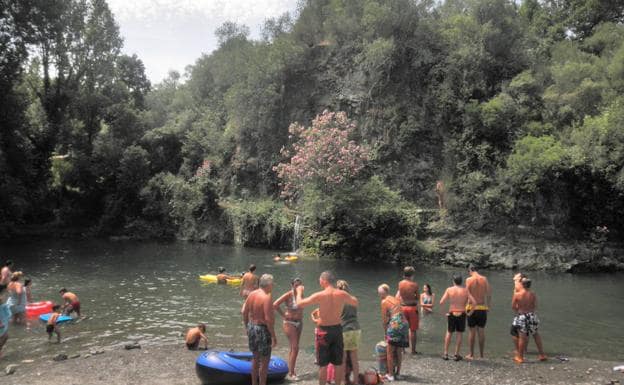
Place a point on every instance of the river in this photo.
(150, 292)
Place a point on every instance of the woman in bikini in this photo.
(427, 298)
(293, 323)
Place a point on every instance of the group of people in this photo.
(16, 294)
(338, 334)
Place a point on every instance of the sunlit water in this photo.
(150, 292)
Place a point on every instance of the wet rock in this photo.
(74, 356)
(95, 352)
(10, 369)
(134, 345)
(87, 355)
(60, 357)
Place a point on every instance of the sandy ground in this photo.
(176, 365)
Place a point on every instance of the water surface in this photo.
(150, 292)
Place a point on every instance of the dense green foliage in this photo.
(519, 108)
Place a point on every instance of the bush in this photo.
(265, 223)
(362, 221)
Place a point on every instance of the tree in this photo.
(322, 155)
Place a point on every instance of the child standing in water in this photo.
(52, 325)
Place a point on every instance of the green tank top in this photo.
(349, 318)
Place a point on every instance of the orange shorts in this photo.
(411, 315)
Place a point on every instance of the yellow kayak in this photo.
(291, 258)
(213, 279)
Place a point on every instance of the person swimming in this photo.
(222, 277)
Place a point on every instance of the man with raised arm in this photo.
(259, 320)
(479, 287)
(329, 342)
(250, 282)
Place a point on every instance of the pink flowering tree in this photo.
(322, 155)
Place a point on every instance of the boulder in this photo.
(10, 369)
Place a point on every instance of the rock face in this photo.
(523, 252)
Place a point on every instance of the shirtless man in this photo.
(196, 335)
(525, 322)
(458, 298)
(479, 287)
(72, 303)
(250, 282)
(408, 295)
(5, 274)
(329, 341)
(259, 320)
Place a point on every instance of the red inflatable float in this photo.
(37, 308)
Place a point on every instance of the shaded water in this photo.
(150, 292)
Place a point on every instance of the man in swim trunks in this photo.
(458, 298)
(195, 335)
(329, 341)
(259, 320)
(479, 287)
(72, 303)
(408, 295)
(526, 322)
(250, 282)
(5, 274)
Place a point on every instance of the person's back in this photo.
(524, 301)
(478, 287)
(458, 299)
(70, 297)
(331, 304)
(408, 291)
(391, 306)
(249, 282)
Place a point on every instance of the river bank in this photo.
(521, 250)
(172, 364)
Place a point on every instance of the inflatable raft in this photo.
(59, 320)
(232, 368)
(35, 309)
(213, 279)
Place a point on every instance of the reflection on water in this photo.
(150, 292)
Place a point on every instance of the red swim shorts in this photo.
(411, 315)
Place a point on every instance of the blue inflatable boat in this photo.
(230, 368)
(59, 320)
